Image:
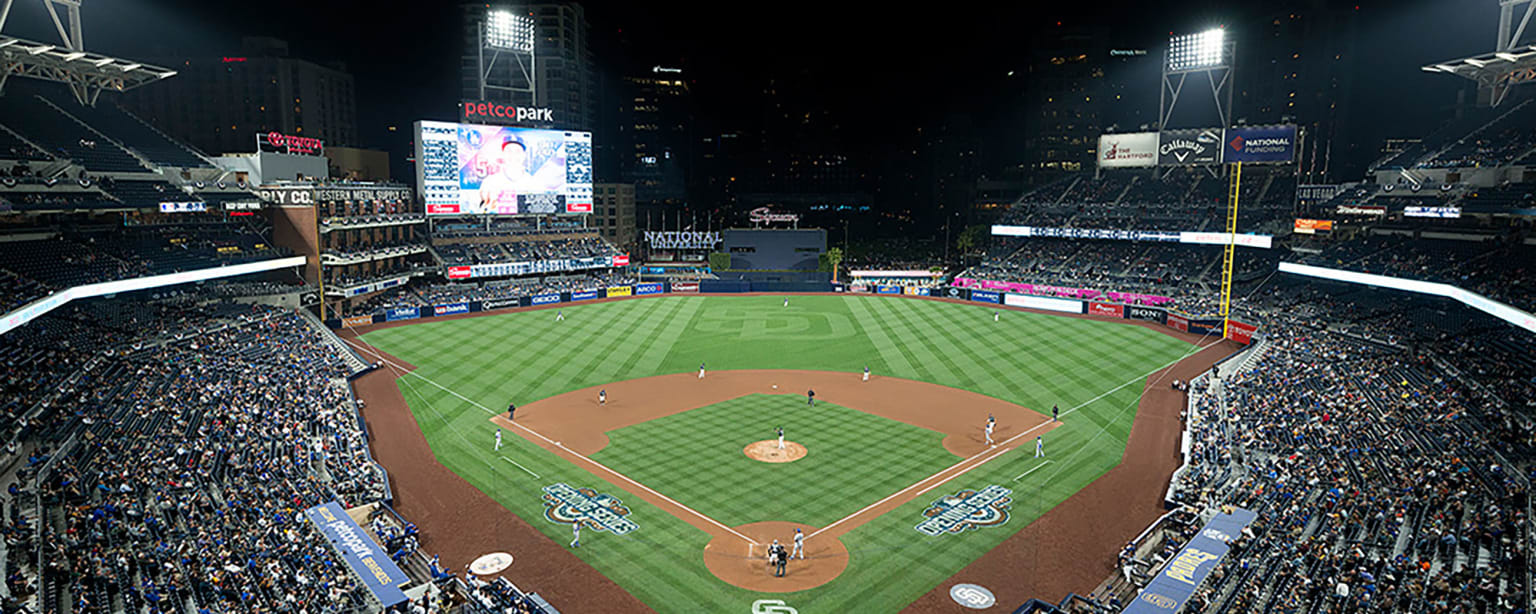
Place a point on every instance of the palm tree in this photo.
(834, 258)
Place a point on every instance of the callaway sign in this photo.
(1181, 147)
(762, 215)
(273, 142)
(496, 113)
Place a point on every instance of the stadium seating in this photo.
(41, 123)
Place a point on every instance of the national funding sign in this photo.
(1260, 144)
(1189, 147)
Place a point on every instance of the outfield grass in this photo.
(855, 459)
(1092, 369)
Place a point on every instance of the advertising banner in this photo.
(621, 260)
(1083, 293)
(1240, 332)
(914, 291)
(544, 299)
(889, 289)
(585, 295)
(651, 288)
(402, 313)
(458, 272)
(1317, 192)
(356, 321)
(1205, 327)
(1362, 210)
(614, 291)
(859, 288)
(1178, 323)
(1199, 238)
(1106, 309)
(277, 142)
(1135, 149)
(487, 112)
(1312, 227)
(983, 296)
(448, 310)
(1149, 314)
(367, 561)
(681, 240)
(1180, 578)
(1189, 147)
(1043, 303)
(685, 286)
(502, 303)
(1260, 144)
(954, 293)
(1420, 211)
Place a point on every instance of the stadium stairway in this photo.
(355, 363)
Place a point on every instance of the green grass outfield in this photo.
(1031, 359)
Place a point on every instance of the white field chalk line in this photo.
(535, 475)
(998, 451)
(562, 447)
(1032, 470)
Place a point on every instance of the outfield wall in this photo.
(1238, 331)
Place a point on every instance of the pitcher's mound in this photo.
(732, 560)
(768, 451)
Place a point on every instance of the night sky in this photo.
(878, 74)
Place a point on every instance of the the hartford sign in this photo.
(481, 111)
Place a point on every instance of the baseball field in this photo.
(898, 488)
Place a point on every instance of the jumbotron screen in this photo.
(468, 169)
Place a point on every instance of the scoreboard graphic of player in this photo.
(467, 169)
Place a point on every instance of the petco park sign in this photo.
(484, 112)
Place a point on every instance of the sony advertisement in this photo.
(1135, 149)
(1189, 147)
(470, 169)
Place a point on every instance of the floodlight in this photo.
(1195, 51)
(508, 30)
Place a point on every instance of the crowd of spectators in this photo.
(1500, 268)
(1388, 474)
(450, 293)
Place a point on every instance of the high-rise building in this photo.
(1294, 64)
(655, 135)
(561, 77)
(220, 104)
(613, 213)
(1062, 93)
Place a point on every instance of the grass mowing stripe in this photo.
(659, 349)
(926, 362)
(894, 358)
(981, 370)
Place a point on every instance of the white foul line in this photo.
(995, 452)
(690, 510)
(535, 475)
(1032, 470)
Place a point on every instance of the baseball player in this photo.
(511, 412)
(866, 373)
(799, 545)
(559, 315)
(602, 397)
(786, 301)
(498, 439)
(991, 424)
(1055, 414)
(701, 370)
(781, 438)
(778, 558)
(576, 534)
(996, 315)
(1039, 446)
(810, 397)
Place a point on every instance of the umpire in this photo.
(778, 557)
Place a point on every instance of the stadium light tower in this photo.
(86, 73)
(1512, 61)
(1210, 52)
(507, 36)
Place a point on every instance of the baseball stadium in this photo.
(635, 320)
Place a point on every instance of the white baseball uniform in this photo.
(781, 439)
(1039, 447)
(498, 439)
(559, 316)
(799, 546)
(866, 374)
(990, 425)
